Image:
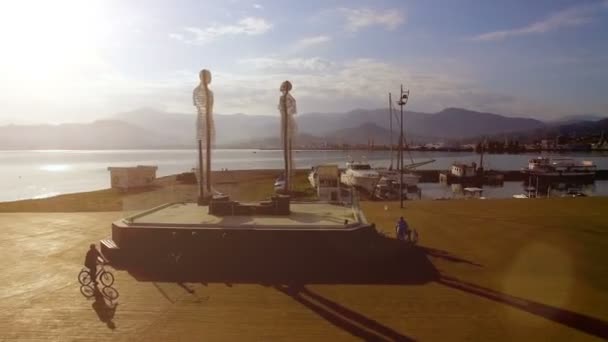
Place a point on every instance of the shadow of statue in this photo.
(342, 317)
(581, 322)
(104, 311)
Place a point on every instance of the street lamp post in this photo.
(402, 102)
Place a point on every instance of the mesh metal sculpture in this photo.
(287, 108)
(202, 99)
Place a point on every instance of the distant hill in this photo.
(462, 123)
(325, 123)
(549, 131)
(181, 127)
(583, 128)
(151, 128)
(104, 134)
(451, 123)
(573, 119)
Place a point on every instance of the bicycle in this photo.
(412, 237)
(108, 292)
(107, 278)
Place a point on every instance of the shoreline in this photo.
(173, 189)
(316, 149)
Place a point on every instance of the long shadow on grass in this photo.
(369, 259)
(441, 254)
(290, 267)
(342, 317)
(584, 323)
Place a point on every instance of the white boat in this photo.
(279, 183)
(409, 179)
(387, 189)
(312, 177)
(360, 175)
(561, 167)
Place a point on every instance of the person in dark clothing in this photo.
(91, 261)
(403, 230)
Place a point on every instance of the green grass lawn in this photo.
(549, 252)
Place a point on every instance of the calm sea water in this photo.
(37, 174)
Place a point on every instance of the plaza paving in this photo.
(40, 300)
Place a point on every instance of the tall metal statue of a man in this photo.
(287, 108)
(202, 98)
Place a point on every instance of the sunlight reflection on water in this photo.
(28, 174)
(55, 167)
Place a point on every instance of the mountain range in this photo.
(149, 128)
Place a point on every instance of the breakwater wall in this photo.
(432, 176)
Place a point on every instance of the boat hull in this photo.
(562, 176)
(362, 182)
(409, 179)
(312, 180)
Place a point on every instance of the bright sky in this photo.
(74, 60)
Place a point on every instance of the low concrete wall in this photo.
(152, 242)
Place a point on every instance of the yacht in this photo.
(561, 168)
(360, 175)
(409, 179)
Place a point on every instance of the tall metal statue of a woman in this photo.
(202, 98)
(287, 107)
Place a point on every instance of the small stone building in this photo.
(125, 178)
(327, 180)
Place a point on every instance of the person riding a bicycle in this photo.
(91, 260)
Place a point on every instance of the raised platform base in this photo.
(179, 229)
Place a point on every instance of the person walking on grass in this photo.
(403, 230)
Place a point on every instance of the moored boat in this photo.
(409, 179)
(360, 175)
(561, 168)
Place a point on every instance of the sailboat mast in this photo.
(401, 151)
(390, 116)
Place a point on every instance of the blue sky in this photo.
(78, 61)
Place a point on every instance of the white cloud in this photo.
(249, 26)
(323, 86)
(360, 18)
(177, 36)
(570, 17)
(258, 6)
(287, 64)
(252, 87)
(309, 42)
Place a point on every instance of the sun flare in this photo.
(44, 41)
